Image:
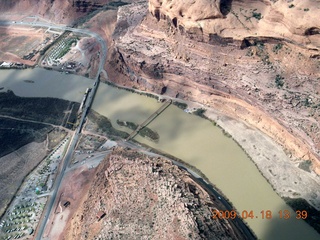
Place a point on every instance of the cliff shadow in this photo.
(225, 6)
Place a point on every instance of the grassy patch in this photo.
(15, 134)
(48, 110)
(66, 48)
(144, 132)
(181, 105)
(104, 125)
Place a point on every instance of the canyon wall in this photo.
(58, 11)
(267, 80)
(242, 19)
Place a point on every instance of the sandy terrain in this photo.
(16, 42)
(75, 185)
(64, 12)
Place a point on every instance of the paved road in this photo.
(37, 122)
(91, 162)
(75, 138)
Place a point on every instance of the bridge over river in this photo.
(149, 119)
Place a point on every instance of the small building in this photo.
(6, 64)
(66, 204)
(100, 215)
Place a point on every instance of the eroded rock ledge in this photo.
(240, 20)
(260, 84)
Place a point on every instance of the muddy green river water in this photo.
(194, 140)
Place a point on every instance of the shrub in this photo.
(181, 105)
(279, 81)
(256, 15)
(200, 112)
(277, 47)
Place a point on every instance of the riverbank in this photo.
(270, 159)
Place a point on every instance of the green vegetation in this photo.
(291, 5)
(42, 52)
(260, 52)
(306, 102)
(306, 9)
(67, 47)
(256, 15)
(48, 110)
(226, 133)
(129, 125)
(249, 52)
(279, 81)
(300, 204)
(236, 15)
(200, 112)
(132, 90)
(277, 47)
(147, 132)
(144, 132)
(15, 134)
(181, 105)
(104, 125)
(305, 165)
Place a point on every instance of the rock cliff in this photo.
(269, 81)
(147, 198)
(65, 11)
(242, 19)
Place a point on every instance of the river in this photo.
(194, 140)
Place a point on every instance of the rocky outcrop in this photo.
(185, 11)
(144, 197)
(155, 55)
(241, 19)
(58, 11)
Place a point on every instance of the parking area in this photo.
(22, 216)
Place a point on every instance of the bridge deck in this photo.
(149, 119)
